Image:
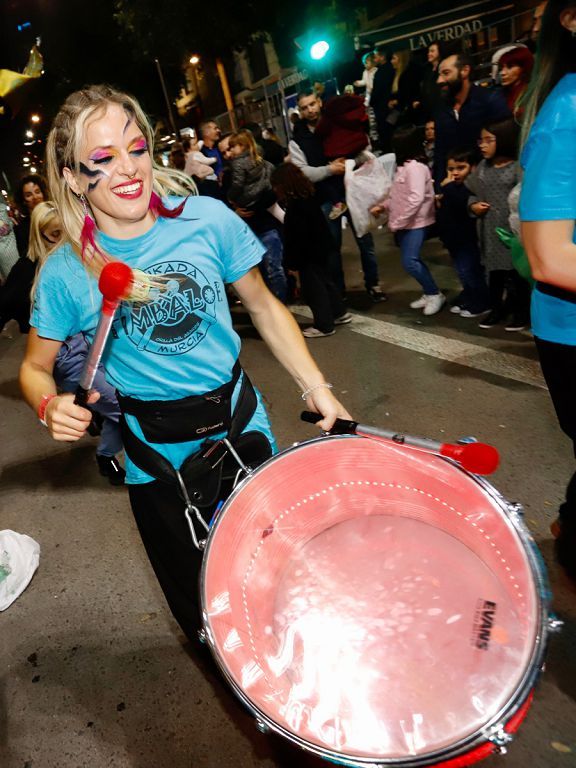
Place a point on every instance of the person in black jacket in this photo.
(381, 95)
(307, 245)
(457, 231)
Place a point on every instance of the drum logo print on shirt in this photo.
(177, 318)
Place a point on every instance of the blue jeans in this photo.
(410, 242)
(365, 246)
(272, 266)
(468, 266)
(67, 370)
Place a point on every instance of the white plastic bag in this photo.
(19, 558)
(366, 186)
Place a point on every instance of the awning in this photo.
(446, 25)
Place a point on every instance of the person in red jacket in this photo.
(343, 129)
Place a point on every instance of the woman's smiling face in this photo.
(116, 173)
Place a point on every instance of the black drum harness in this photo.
(200, 479)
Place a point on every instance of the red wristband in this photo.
(42, 408)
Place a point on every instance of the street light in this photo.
(34, 118)
(29, 134)
(194, 60)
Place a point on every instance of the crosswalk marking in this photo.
(452, 350)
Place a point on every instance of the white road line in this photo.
(460, 352)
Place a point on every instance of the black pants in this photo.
(159, 515)
(509, 294)
(322, 296)
(558, 362)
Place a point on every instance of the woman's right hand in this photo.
(66, 421)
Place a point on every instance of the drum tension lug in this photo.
(555, 624)
(515, 508)
(500, 738)
(202, 636)
(262, 727)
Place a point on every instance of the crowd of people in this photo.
(268, 221)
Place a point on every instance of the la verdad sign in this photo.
(454, 32)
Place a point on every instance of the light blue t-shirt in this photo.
(549, 194)
(182, 343)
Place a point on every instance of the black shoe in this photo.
(494, 318)
(110, 468)
(517, 324)
(377, 294)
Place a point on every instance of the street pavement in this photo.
(95, 672)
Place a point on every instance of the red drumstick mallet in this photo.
(478, 458)
(114, 284)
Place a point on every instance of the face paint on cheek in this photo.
(96, 175)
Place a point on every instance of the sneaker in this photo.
(337, 210)
(456, 309)
(434, 304)
(343, 319)
(419, 303)
(494, 318)
(110, 467)
(377, 294)
(470, 313)
(314, 333)
(517, 324)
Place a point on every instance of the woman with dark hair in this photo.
(515, 69)
(307, 246)
(30, 191)
(548, 215)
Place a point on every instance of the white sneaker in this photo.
(434, 304)
(456, 310)
(315, 333)
(343, 319)
(419, 303)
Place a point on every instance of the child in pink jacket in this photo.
(411, 211)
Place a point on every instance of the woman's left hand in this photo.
(322, 401)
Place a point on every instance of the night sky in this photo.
(81, 44)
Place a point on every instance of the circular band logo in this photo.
(177, 318)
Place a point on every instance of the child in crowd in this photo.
(491, 183)
(367, 81)
(250, 176)
(411, 211)
(45, 236)
(457, 230)
(343, 129)
(197, 164)
(307, 243)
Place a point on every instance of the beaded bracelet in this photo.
(309, 391)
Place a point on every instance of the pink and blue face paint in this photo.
(106, 156)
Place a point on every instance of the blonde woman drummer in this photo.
(173, 352)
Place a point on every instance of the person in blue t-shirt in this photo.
(173, 352)
(548, 215)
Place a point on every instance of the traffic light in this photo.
(312, 47)
(319, 49)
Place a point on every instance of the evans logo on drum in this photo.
(483, 623)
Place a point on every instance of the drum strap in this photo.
(201, 473)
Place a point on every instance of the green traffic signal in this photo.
(319, 49)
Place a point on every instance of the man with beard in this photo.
(465, 109)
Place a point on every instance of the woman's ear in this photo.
(568, 19)
(71, 181)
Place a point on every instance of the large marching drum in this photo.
(376, 604)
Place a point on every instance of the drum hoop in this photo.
(533, 667)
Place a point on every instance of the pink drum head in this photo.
(370, 600)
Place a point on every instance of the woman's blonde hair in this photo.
(39, 248)
(246, 140)
(63, 151)
(403, 61)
